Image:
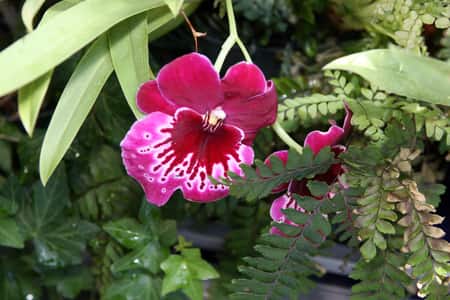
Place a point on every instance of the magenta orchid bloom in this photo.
(197, 125)
(316, 140)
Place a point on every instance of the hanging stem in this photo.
(195, 33)
(286, 138)
(232, 39)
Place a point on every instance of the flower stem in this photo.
(232, 39)
(286, 138)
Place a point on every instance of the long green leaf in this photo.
(63, 129)
(56, 40)
(74, 105)
(128, 43)
(29, 10)
(400, 72)
(174, 5)
(31, 96)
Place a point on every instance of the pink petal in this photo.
(165, 153)
(243, 80)
(283, 156)
(317, 140)
(277, 215)
(191, 81)
(348, 120)
(149, 99)
(252, 114)
(278, 205)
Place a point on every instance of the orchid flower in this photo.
(197, 125)
(316, 140)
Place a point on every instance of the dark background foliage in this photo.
(71, 231)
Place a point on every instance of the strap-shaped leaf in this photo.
(56, 40)
(29, 10)
(400, 72)
(74, 105)
(31, 96)
(174, 5)
(83, 83)
(128, 43)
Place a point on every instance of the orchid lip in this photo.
(213, 120)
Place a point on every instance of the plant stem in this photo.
(232, 39)
(286, 138)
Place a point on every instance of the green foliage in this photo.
(395, 71)
(284, 267)
(400, 20)
(391, 198)
(186, 272)
(380, 278)
(259, 182)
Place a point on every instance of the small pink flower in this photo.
(197, 125)
(316, 140)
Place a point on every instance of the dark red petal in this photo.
(243, 80)
(191, 81)
(165, 153)
(283, 156)
(252, 114)
(149, 99)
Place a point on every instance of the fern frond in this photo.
(260, 181)
(284, 266)
(380, 278)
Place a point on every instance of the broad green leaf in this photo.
(400, 72)
(31, 96)
(133, 287)
(62, 243)
(57, 241)
(11, 193)
(17, 280)
(74, 105)
(6, 157)
(128, 232)
(185, 272)
(174, 5)
(128, 43)
(29, 10)
(10, 235)
(69, 282)
(148, 258)
(41, 50)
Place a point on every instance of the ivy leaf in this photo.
(10, 235)
(11, 193)
(400, 72)
(148, 257)
(17, 280)
(58, 241)
(133, 287)
(70, 282)
(128, 232)
(185, 272)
